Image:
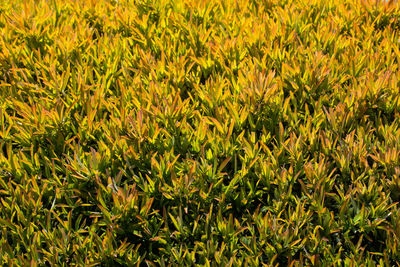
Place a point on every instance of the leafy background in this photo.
(199, 132)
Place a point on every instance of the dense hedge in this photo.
(224, 132)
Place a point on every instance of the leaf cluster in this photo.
(204, 132)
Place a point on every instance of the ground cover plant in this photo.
(234, 132)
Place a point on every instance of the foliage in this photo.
(199, 132)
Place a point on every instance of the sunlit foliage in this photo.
(219, 132)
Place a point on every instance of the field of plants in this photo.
(213, 133)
